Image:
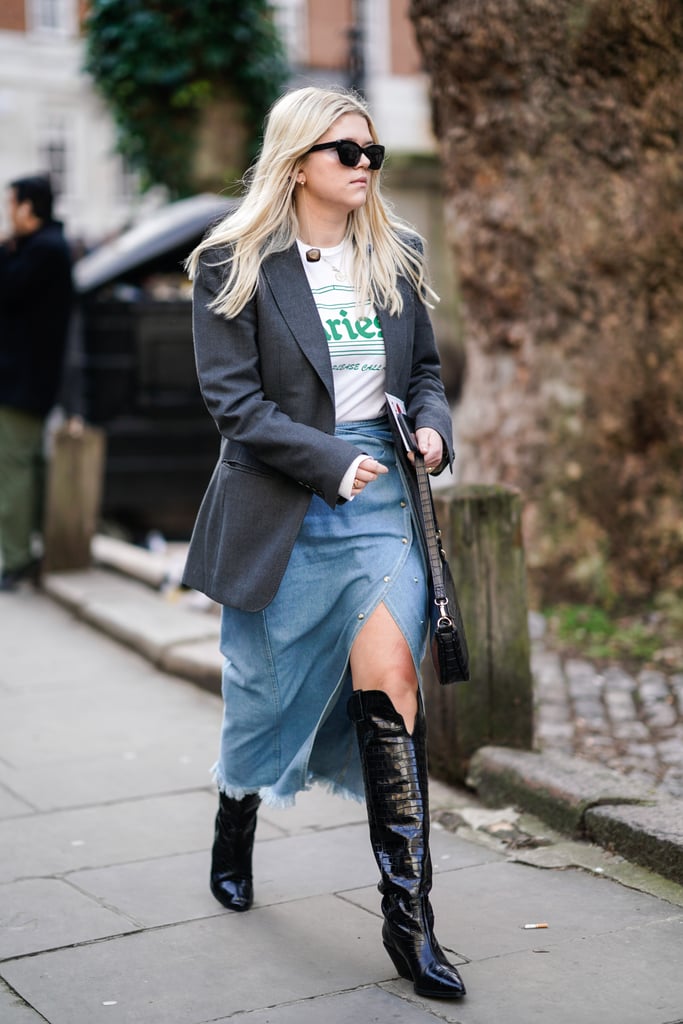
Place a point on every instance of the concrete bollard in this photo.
(481, 533)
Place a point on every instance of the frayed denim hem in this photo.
(272, 798)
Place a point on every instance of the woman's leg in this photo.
(381, 660)
(387, 711)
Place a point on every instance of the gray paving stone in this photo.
(630, 731)
(548, 674)
(620, 705)
(24, 669)
(652, 686)
(131, 772)
(604, 746)
(582, 678)
(616, 679)
(677, 687)
(43, 913)
(661, 716)
(14, 1010)
(481, 911)
(60, 841)
(371, 1005)
(590, 713)
(158, 891)
(554, 714)
(173, 889)
(204, 970)
(314, 810)
(670, 751)
(11, 805)
(618, 977)
(554, 733)
(101, 726)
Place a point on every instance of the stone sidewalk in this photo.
(133, 595)
(106, 811)
(629, 721)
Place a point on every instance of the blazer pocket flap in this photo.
(237, 456)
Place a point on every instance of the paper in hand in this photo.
(404, 424)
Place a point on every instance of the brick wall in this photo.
(13, 16)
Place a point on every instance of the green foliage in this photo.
(159, 62)
(651, 636)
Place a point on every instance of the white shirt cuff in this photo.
(346, 486)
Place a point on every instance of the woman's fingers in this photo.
(430, 444)
(368, 471)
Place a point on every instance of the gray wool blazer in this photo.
(266, 379)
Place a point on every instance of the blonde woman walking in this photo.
(309, 305)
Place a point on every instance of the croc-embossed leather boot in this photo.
(395, 777)
(233, 846)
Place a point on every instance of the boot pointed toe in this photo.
(233, 893)
(416, 954)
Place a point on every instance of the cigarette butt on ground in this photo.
(541, 924)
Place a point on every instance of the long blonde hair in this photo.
(265, 221)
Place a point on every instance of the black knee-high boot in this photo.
(395, 776)
(233, 845)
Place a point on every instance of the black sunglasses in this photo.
(349, 152)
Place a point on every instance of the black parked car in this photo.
(138, 378)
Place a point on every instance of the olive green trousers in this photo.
(21, 485)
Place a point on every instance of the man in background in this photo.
(36, 297)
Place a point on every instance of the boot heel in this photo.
(398, 962)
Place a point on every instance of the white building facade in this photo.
(52, 119)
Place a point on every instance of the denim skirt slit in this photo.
(286, 675)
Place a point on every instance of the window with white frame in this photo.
(55, 148)
(53, 17)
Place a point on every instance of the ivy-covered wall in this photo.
(168, 69)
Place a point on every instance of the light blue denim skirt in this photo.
(286, 676)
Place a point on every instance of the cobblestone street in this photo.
(629, 722)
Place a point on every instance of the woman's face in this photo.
(327, 183)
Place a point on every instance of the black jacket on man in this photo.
(36, 296)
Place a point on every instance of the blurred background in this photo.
(536, 145)
(146, 115)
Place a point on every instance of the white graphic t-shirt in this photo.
(354, 335)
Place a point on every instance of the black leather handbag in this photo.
(447, 634)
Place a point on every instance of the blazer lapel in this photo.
(290, 289)
(394, 329)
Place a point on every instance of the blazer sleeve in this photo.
(228, 359)
(426, 400)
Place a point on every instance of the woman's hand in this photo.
(368, 470)
(430, 444)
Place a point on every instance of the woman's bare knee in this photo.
(381, 660)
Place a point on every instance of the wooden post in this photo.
(481, 533)
(73, 497)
